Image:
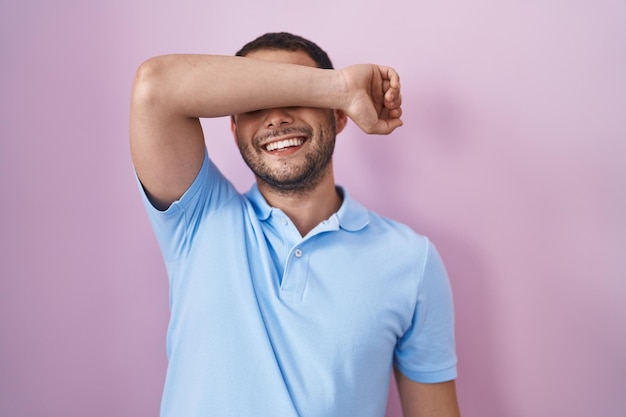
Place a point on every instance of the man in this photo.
(291, 299)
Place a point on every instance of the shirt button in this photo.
(283, 221)
(298, 253)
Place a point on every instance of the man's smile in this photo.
(283, 144)
(284, 141)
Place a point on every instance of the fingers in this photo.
(392, 106)
(391, 80)
(395, 113)
(392, 98)
(390, 116)
(376, 103)
(393, 101)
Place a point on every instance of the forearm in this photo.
(171, 92)
(214, 86)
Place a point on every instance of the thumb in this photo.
(385, 127)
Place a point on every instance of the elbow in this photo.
(148, 83)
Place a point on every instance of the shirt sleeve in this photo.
(174, 227)
(426, 352)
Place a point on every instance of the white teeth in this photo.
(282, 144)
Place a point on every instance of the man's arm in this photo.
(427, 400)
(170, 94)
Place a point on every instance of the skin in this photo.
(315, 199)
(273, 95)
(296, 170)
(427, 400)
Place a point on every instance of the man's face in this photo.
(289, 149)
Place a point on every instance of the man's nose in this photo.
(277, 118)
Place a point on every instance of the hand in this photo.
(373, 100)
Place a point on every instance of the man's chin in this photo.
(294, 184)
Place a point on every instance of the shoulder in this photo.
(397, 232)
(353, 216)
(383, 235)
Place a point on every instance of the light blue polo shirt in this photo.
(265, 322)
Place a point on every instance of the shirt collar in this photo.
(261, 208)
(351, 216)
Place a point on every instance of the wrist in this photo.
(340, 90)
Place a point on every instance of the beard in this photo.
(291, 178)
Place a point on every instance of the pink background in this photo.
(511, 160)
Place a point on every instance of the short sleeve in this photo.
(426, 352)
(173, 227)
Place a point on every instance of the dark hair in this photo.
(288, 42)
